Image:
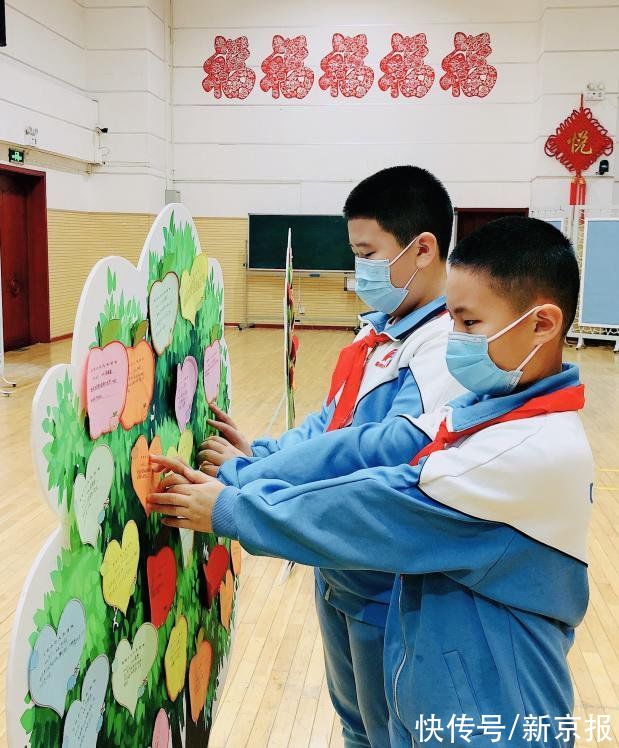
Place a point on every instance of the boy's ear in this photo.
(548, 323)
(427, 249)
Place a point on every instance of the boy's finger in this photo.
(221, 414)
(172, 464)
(215, 458)
(172, 479)
(177, 466)
(209, 469)
(181, 523)
(223, 427)
(167, 510)
(217, 446)
(168, 499)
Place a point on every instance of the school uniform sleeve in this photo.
(313, 425)
(375, 519)
(332, 454)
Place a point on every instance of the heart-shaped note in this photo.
(132, 665)
(85, 718)
(186, 385)
(161, 733)
(226, 595)
(186, 545)
(162, 310)
(140, 384)
(215, 570)
(212, 370)
(161, 573)
(144, 479)
(55, 658)
(107, 371)
(175, 659)
(185, 447)
(200, 675)
(192, 288)
(235, 555)
(119, 568)
(91, 493)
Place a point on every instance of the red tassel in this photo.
(578, 190)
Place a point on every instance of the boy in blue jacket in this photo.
(482, 507)
(399, 223)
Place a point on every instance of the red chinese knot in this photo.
(579, 141)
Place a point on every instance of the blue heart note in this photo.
(55, 658)
(85, 717)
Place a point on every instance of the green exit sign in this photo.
(16, 156)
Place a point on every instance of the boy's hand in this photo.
(229, 430)
(186, 497)
(214, 452)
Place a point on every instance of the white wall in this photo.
(74, 64)
(233, 157)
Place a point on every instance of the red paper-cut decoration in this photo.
(466, 69)
(161, 574)
(344, 71)
(579, 141)
(405, 71)
(226, 71)
(215, 570)
(284, 71)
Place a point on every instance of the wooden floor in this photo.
(275, 694)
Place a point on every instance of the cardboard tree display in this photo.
(120, 635)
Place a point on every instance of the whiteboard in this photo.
(557, 223)
(599, 297)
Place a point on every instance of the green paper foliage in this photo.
(77, 571)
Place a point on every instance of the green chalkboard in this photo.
(319, 243)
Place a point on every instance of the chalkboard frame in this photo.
(297, 270)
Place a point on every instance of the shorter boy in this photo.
(487, 524)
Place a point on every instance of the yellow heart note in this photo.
(175, 659)
(119, 568)
(192, 288)
(185, 447)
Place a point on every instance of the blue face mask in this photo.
(373, 283)
(470, 364)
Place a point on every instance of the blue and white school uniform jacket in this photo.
(408, 374)
(489, 536)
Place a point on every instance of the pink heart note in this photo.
(212, 365)
(107, 373)
(186, 385)
(161, 733)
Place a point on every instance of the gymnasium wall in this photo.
(72, 65)
(78, 239)
(135, 67)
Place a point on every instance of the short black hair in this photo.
(405, 201)
(525, 258)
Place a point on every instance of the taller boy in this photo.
(399, 225)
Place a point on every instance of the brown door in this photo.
(471, 219)
(14, 257)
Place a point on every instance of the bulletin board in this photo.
(124, 626)
(599, 304)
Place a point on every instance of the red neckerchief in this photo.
(349, 372)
